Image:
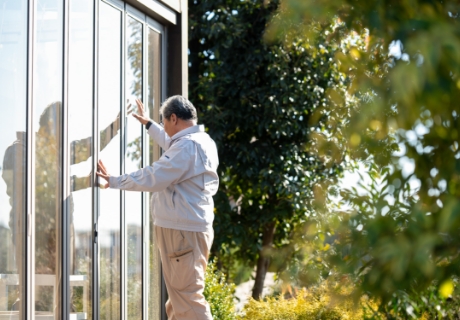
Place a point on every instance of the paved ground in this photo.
(244, 290)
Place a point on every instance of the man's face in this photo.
(170, 125)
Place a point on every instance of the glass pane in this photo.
(154, 94)
(47, 75)
(109, 124)
(80, 145)
(133, 162)
(13, 86)
(154, 86)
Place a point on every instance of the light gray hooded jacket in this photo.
(183, 180)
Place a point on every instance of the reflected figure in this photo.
(13, 174)
(48, 189)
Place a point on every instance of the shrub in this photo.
(219, 294)
(424, 305)
(333, 301)
(324, 302)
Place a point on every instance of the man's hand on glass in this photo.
(143, 119)
(141, 114)
(102, 172)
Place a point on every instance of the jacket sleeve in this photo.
(159, 135)
(170, 169)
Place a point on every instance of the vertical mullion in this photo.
(145, 152)
(95, 189)
(164, 82)
(65, 256)
(30, 194)
(123, 244)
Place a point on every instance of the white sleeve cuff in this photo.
(113, 182)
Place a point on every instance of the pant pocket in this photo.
(182, 268)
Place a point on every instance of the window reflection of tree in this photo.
(134, 150)
(153, 98)
(134, 153)
(47, 193)
(47, 202)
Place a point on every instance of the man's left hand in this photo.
(141, 114)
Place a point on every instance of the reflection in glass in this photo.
(13, 81)
(47, 75)
(133, 162)
(80, 147)
(153, 102)
(109, 109)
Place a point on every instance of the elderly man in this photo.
(183, 181)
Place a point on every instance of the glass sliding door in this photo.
(153, 102)
(47, 104)
(57, 119)
(133, 162)
(13, 94)
(110, 79)
(129, 261)
(80, 131)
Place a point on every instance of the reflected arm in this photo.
(80, 150)
(80, 183)
(108, 133)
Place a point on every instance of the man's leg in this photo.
(184, 256)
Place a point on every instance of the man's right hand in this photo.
(141, 114)
(102, 172)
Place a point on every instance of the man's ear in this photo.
(173, 118)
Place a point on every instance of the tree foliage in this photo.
(257, 101)
(407, 78)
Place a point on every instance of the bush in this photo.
(324, 302)
(333, 301)
(424, 305)
(219, 294)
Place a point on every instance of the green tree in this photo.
(408, 76)
(257, 100)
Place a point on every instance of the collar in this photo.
(189, 130)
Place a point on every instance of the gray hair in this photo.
(180, 106)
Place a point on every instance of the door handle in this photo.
(95, 233)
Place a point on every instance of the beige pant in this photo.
(184, 257)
